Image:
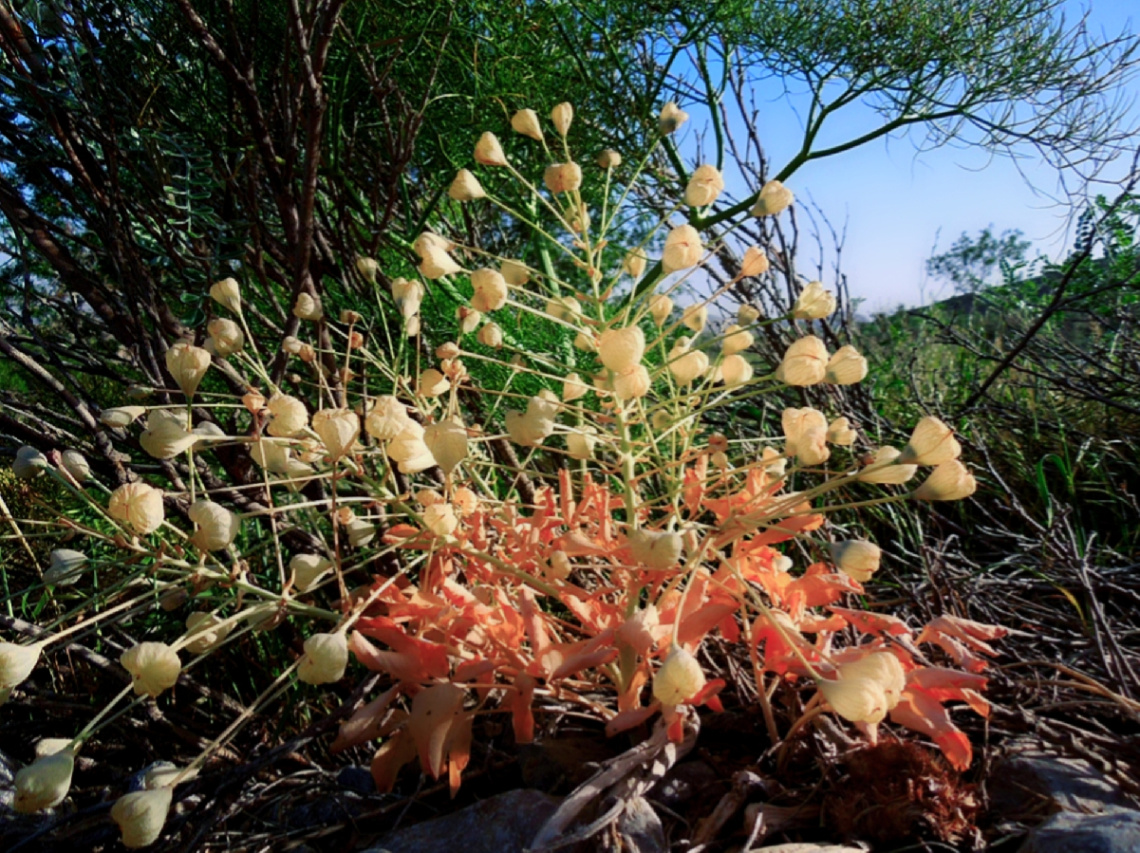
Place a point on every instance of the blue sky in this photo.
(897, 203)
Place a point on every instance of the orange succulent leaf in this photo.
(623, 721)
(431, 656)
(778, 654)
(460, 750)
(948, 684)
(520, 702)
(963, 639)
(434, 713)
(403, 666)
(819, 585)
(367, 722)
(709, 695)
(923, 713)
(695, 626)
(393, 754)
(408, 536)
(872, 623)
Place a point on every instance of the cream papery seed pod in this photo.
(436, 263)
(526, 123)
(387, 418)
(679, 679)
(656, 549)
(409, 295)
(704, 186)
(204, 631)
(360, 532)
(660, 307)
(227, 293)
(814, 302)
(139, 505)
(325, 659)
(563, 177)
(561, 116)
(775, 463)
(368, 268)
(491, 336)
(65, 567)
(586, 342)
(735, 370)
(166, 434)
(468, 319)
(216, 526)
(931, 443)
(440, 519)
(308, 307)
(515, 273)
(950, 481)
(609, 159)
(16, 664)
(805, 362)
(271, 456)
(846, 367)
(429, 240)
(488, 151)
(490, 290)
(141, 816)
(774, 198)
(565, 308)
(840, 433)
(447, 441)
(226, 335)
(634, 263)
(621, 349)
(755, 262)
(581, 444)
(695, 318)
(736, 340)
(746, 315)
(187, 364)
(287, 416)
(858, 558)
(859, 700)
(75, 464)
(29, 463)
(409, 450)
(154, 667)
(884, 470)
(881, 667)
(412, 326)
(671, 118)
(338, 429)
(535, 425)
(805, 433)
(307, 569)
(686, 365)
(465, 187)
(44, 783)
(573, 388)
(432, 383)
(632, 384)
(50, 746)
(121, 416)
(683, 249)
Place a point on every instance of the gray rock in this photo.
(356, 779)
(502, 824)
(1115, 831)
(640, 829)
(1033, 782)
(685, 781)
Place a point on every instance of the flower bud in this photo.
(609, 159)
(755, 262)
(573, 388)
(122, 416)
(683, 249)
(187, 364)
(490, 290)
(515, 273)
(368, 268)
(735, 370)
(931, 443)
(216, 526)
(621, 349)
(561, 116)
(949, 481)
(139, 505)
(881, 667)
(205, 631)
(563, 177)
(75, 464)
(695, 318)
(814, 303)
(634, 263)
(338, 429)
(704, 186)
(656, 549)
(671, 118)
(287, 416)
(660, 307)
(227, 293)
(465, 187)
(65, 567)
(736, 340)
(679, 679)
(44, 783)
(565, 308)
(805, 362)
(686, 365)
(226, 336)
(440, 519)
(325, 660)
(858, 558)
(141, 815)
(488, 151)
(432, 383)
(839, 432)
(308, 307)
(885, 469)
(860, 700)
(774, 198)
(307, 569)
(490, 336)
(846, 367)
(632, 384)
(154, 667)
(580, 445)
(29, 463)
(16, 663)
(526, 123)
(447, 441)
